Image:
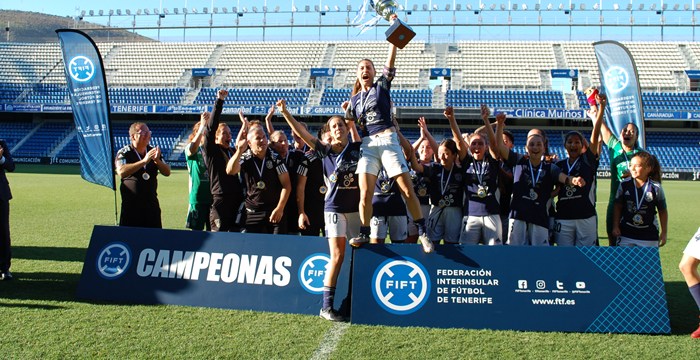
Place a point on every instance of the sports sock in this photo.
(328, 296)
(695, 292)
(420, 225)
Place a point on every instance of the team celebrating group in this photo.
(359, 180)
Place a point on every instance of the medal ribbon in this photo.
(363, 99)
(139, 155)
(535, 179)
(572, 166)
(639, 201)
(260, 169)
(339, 159)
(443, 188)
(480, 171)
(386, 176)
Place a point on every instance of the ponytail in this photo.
(356, 88)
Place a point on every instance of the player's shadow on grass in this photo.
(681, 308)
(41, 286)
(48, 253)
(31, 306)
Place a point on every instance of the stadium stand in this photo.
(503, 74)
(294, 96)
(502, 65)
(400, 97)
(268, 64)
(160, 73)
(506, 98)
(158, 96)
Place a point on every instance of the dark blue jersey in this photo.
(339, 174)
(639, 206)
(532, 189)
(482, 192)
(578, 202)
(387, 199)
(420, 186)
(371, 109)
(446, 187)
(505, 184)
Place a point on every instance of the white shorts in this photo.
(625, 241)
(463, 229)
(521, 233)
(576, 232)
(444, 224)
(412, 228)
(693, 247)
(342, 225)
(482, 228)
(382, 150)
(395, 226)
(504, 228)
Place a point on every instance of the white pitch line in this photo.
(330, 341)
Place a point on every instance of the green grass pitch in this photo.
(52, 215)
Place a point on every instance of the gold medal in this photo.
(323, 189)
(333, 177)
(422, 192)
(145, 176)
(637, 219)
(260, 185)
(481, 192)
(385, 187)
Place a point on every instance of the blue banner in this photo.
(438, 72)
(203, 72)
(281, 273)
(530, 113)
(618, 76)
(564, 73)
(320, 72)
(581, 289)
(693, 74)
(56, 108)
(23, 107)
(87, 87)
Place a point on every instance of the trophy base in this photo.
(399, 33)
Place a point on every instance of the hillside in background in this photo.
(30, 27)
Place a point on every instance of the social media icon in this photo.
(580, 285)
(560, 285)
(540, 284)
(522, 284)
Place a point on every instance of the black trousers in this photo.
(224, 214)
(316, 225)
(258, 222)
(5, 245)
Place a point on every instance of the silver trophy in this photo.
(399, 33)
